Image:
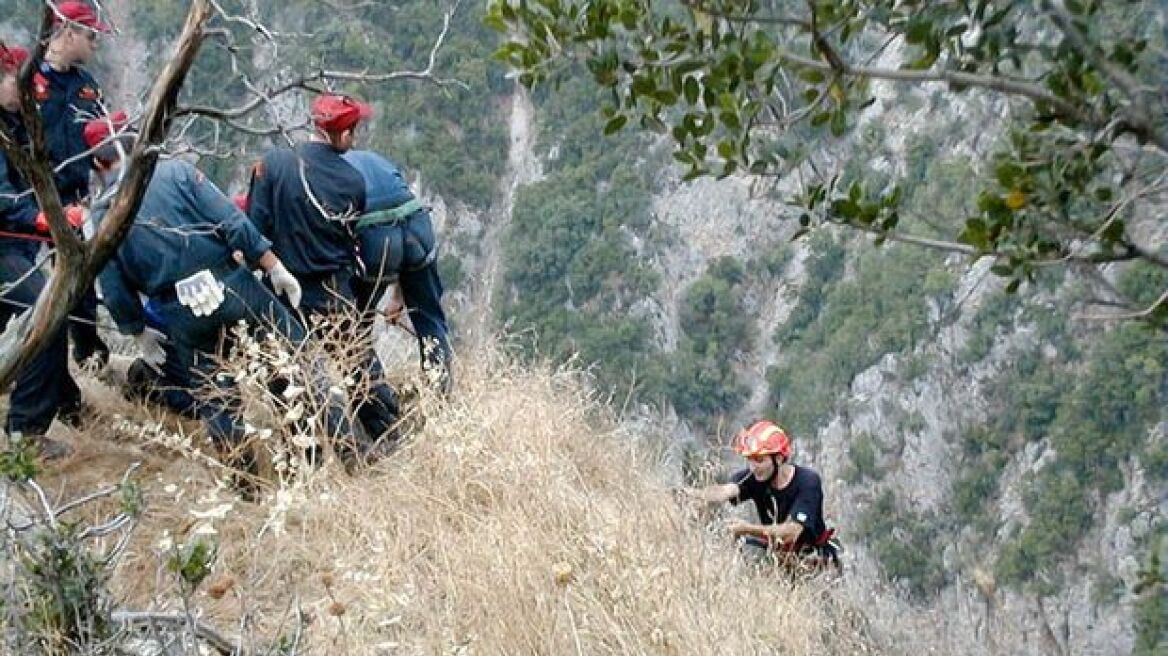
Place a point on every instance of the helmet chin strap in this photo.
(775, 471)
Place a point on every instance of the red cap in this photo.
(99, 129)
(336, 113)
(80, 13)
(12, 58)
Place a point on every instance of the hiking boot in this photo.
(370, 452)
(76, 415)
(89, 350)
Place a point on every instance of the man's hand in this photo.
(395, 306)
(74, 214)
(285, 283)
(150, 343)
(739, 528)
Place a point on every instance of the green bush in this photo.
(906, 546)
(862, 463)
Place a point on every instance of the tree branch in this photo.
(1141, 118)
(139, 619)
(1005, 85)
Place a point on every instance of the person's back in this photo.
(195, 232)
(310, 231)
(385, 188)
(398, 244)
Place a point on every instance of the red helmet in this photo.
(12, 58)
(337, 113)
(763, 438)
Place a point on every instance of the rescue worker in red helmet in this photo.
(44, 389)
(788, 497)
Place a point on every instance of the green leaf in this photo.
(812, 76)
(891, 221)
(691, 90)
(617, 123)
(820, 118)
(956, 30)
(665, 97)
(918, 30)
(1114, 232)
(1091, 83)
(839, 123)
(924, 61)
(810, 95)
(855, 192)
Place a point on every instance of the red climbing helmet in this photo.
(762, 438)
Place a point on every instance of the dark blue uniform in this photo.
(404, 248)
(320, 249)
(44, 388)
(68, 99)
(184, 225)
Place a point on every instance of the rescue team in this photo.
(330, 228)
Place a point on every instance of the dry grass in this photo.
(518, 520)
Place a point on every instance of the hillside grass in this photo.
(521, 518)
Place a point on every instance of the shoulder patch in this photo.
(89, 93)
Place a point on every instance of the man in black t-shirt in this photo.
(788, 497)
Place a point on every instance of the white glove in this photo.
(201, 292)
(150, 343)
(285, 283)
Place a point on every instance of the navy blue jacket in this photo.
(309, 243)
(385, 188)
(17, 212)
(67, 101)
(185, 224)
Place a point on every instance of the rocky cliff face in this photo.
(971, 613)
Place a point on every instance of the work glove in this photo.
(150, 343)
(285, 283)
(74, 214)
(201, 292)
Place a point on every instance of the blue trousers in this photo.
(406, 251)
(332, 295)
(44, 388)
(195, 340)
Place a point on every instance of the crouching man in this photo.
(179, 254)
(788, 498)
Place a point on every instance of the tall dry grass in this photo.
(519, 519)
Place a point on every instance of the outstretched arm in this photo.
(723, 493)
